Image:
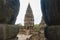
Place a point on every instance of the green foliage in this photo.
(20, 25)
(37, 26)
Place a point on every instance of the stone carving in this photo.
(8, 11)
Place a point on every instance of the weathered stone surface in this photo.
(13, 39)
(29, 18)
(8, 11)
(53, 32)
(51, 11)
(8, 31)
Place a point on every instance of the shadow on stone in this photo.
(52, 32)
(8, 31)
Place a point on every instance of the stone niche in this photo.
(8, 32)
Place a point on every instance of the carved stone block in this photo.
(8, 31)
(52, 32)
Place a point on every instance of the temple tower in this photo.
(42, 27)
(29, 18)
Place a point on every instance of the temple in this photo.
(29, 18)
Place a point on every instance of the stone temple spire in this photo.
(29, 18)
(29, 8)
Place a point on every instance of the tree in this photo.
(20, 25)
(37, 26)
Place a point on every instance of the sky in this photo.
(36, 8)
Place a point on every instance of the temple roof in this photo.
(29, 13)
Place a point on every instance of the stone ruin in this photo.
(35, 34)
(42, 27)
(51, 13)
(29, 18)
(8, 32)
(8, 13)
(28, 27)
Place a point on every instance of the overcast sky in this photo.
(36, 8)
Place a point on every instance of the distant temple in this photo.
(29, 18)
(42, 26)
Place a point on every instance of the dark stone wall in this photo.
(8, 32)
(9, 10)
(51, 11)
(52, 32)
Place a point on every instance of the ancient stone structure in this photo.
(53, 32)
(35, 34)
(23, 37)
(51, 14)
(8, 13)
(29, 18)
(8, 32)
(42, 27)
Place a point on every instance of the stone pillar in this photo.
(8, 32)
